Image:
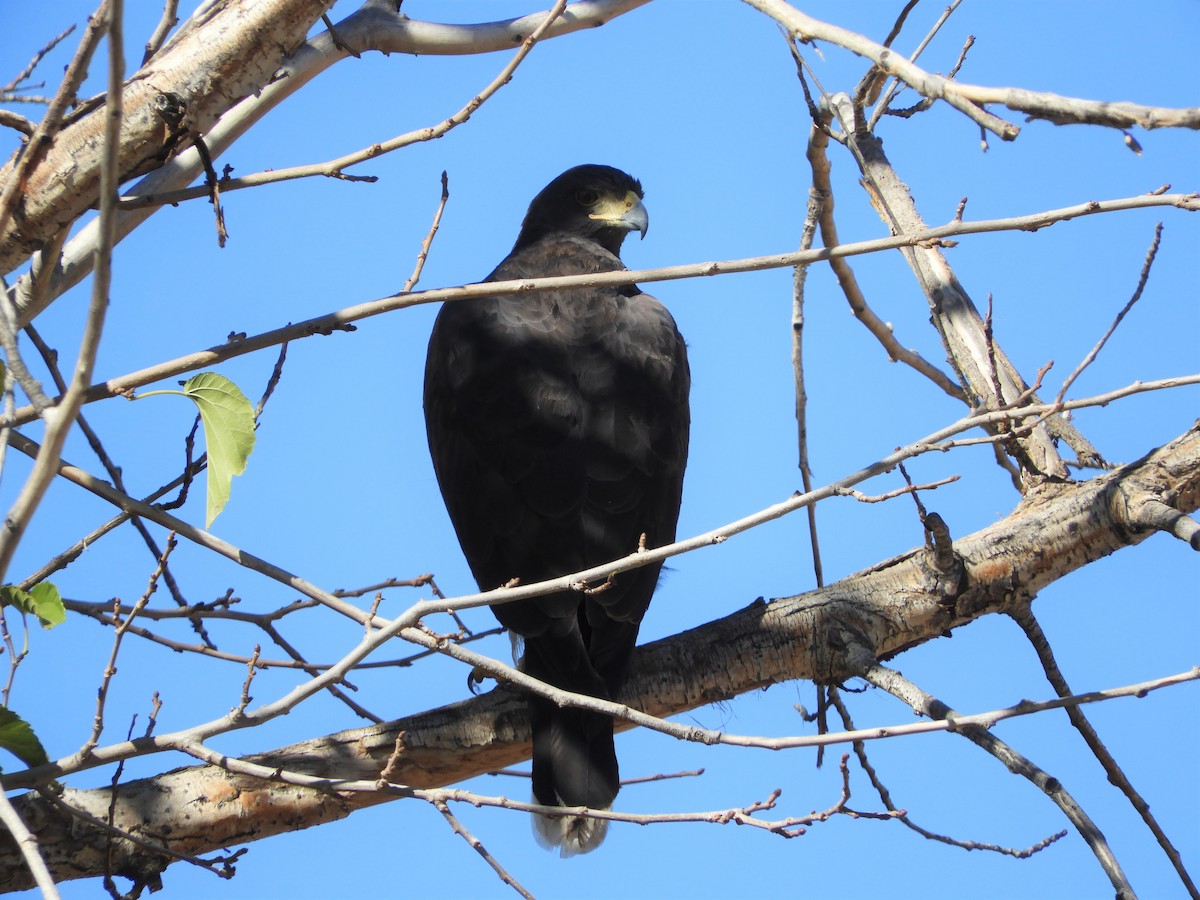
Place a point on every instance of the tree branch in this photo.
(1023, 616)
(339, 320)
(891, 607)
(61, 417)
(926, 704)
(970, 99)
(982, 366)
(27, 846)
(336, 167)
(166, 105)
(376, 26)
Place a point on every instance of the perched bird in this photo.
(558, 425)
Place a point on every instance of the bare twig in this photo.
(425, 244)
(212, 188)
(15, 361)
(24, 74)
(170, 18)
(790, 827)
(272, 383)
(882, 106)
(860, 751)
(419, 581)
(898, 25)
(1137, 293)
(111, 614)
(112, 831)
(910, 489)
(8, 387)
(819, 161)
(477, 846)
(302, 663)
(925, 704)
(118, 636)
(1023, 616)
(251, 669)
(989, 336)
(818, 197)
(662, 776)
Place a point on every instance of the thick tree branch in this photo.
(376, 26)
(178, 95)
(25, 161)
(818, 141)
(335, 167)
(990, 377)
(890, 608)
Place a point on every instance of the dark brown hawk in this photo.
(558, 424)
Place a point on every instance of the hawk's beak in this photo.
(636, 218)
(627, 213)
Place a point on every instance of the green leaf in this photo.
(228, 421)
(18, 739)
(48, 604)
(43, 601)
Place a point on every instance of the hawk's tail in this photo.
(574, 764)
(574, 759)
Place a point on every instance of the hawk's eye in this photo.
(587, 197)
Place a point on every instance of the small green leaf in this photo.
(18, 739)
(228, 421)
(48, 604)
(43, 601)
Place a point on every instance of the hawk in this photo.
(558, 426)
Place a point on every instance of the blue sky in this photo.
(698, 99)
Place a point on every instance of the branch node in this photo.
(1152, 513)
(937, 538)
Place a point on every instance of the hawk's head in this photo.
(596, 202)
